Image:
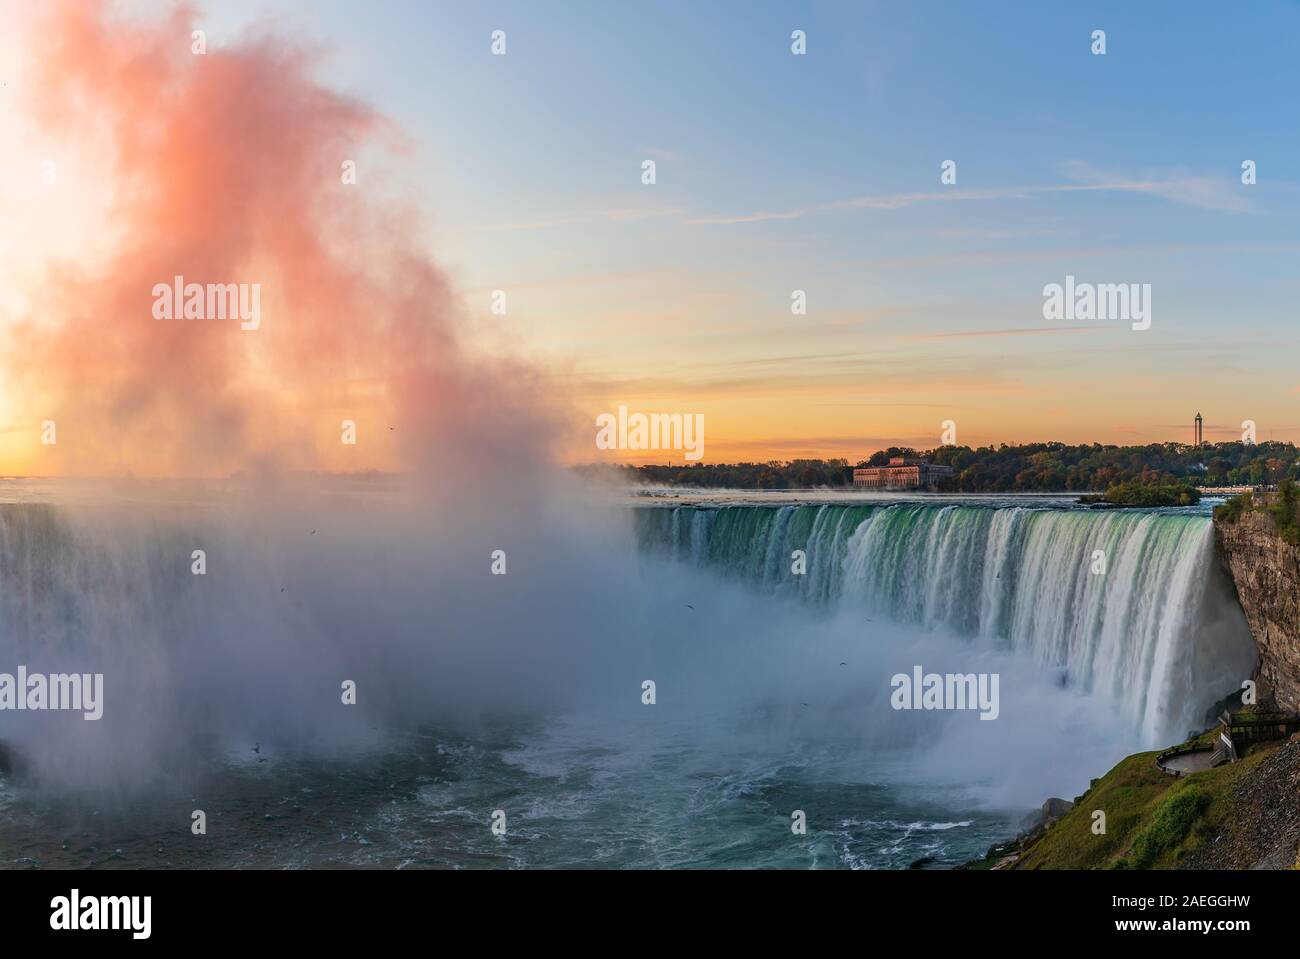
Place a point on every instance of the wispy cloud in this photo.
(986, 233)
(1025, 331)
(1221, 194)
(658, 153)
(800, 447)
(593, 216)
(893, 201)
(1070, 254)
(813, 377)
(899, 406)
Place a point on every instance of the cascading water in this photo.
(1155, 629)
(474, 687)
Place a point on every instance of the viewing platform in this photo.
(1234, 736)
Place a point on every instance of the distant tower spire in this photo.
(1198, 429)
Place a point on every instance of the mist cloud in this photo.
(226, 167)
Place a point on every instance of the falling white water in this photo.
(477, 686)
(1158, 634)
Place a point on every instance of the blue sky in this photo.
(821, 172)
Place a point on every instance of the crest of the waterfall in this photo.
(1127, 606)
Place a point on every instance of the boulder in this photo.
(1055, 808)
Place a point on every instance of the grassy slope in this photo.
(1138, 798)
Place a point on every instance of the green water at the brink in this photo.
(1143, 629)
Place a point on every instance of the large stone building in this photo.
(900, 474)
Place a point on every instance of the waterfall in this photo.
(1158, 631)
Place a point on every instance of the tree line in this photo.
(1007, 468)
